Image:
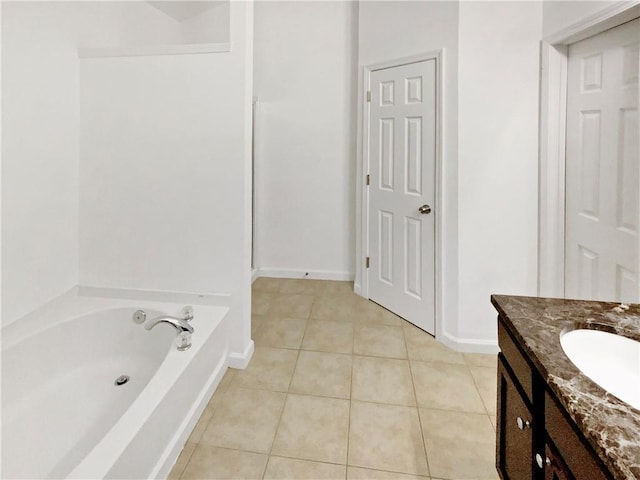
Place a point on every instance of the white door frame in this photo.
(553, 114)
(362, 249)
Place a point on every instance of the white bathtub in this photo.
(62, 415)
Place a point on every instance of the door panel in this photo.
(602, 167)
(387, 151)
(402, 152)
(386, 247)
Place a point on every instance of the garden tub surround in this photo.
(609, 425)
(62, 414)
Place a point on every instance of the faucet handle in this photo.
(187, 313)
(183, 341)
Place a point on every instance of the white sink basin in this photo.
(612, 361)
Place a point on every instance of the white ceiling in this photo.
(183, 10)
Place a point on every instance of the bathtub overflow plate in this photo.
(139, 316)
(121, 380)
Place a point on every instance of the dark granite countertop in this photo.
(611, 426)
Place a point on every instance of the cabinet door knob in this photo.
(542, 462)
(522, 424)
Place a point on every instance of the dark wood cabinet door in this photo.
(555, 468)
(568, 444)
(514, 458)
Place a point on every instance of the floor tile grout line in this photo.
(288, 457)
(477, 385)
(324, 462)
(275, 433)
(266, 465)
(295, 368)
(279, 455)
(365, 355)
(353, 346)
(350, 411)
(426, 477)
(284, 405)
(304, 335)
(428, 407)
(415, 395)
(439, 362)
(348, 439)
(186, 463)
(215, 408)
(332, 397)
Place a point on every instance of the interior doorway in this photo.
(401, 184)
(554, 204)
(602, 165)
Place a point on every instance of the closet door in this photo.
(602, 161)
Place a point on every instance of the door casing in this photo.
(553, 114)
(362, 249)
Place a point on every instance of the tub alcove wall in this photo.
(126, 171)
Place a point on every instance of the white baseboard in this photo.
(311, 274)
(469, 345)
(255, 273)
(241, 360)
(357, 289)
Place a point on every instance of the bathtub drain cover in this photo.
(121, 380)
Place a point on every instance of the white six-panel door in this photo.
(602, 165)
(402, 153)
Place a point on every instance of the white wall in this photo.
(171, 208)
(160, 138)
(120, 24)
(498, 161)
(559, 15)
(40, 138)
(39, 156)
(1, 308)
(164, 163)
(305, 140)
(212, 26)
(488, 203)
(393, 30)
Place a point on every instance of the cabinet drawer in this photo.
(516, 360)
(576, 454)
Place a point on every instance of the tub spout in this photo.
(178, 323)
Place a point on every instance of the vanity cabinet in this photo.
(536, 439)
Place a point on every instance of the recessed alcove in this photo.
(152, 28)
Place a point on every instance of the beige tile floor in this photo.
(340, 388)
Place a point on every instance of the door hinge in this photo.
(367, 262)
(369, 96)
(368, 179)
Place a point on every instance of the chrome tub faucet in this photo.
(180, 324)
